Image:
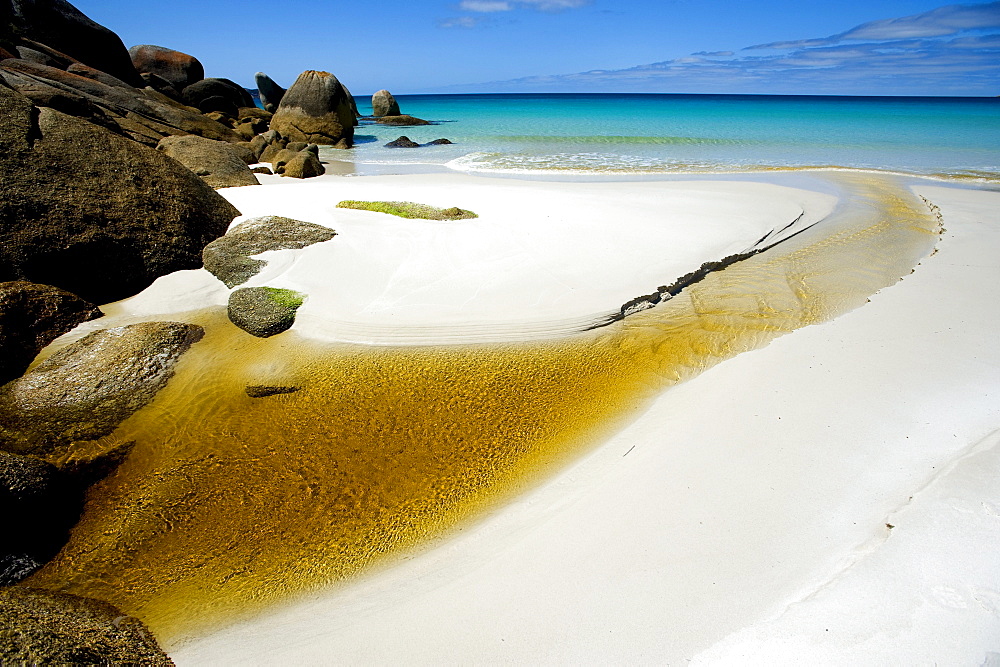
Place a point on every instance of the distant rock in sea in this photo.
(384, 104)
(402, 142)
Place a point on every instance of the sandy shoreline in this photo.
(743, 517)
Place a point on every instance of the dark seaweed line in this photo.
(667, 292)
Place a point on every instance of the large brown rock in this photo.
(38, 506)
(41, 627)
(83, 391)
(303, 164)
(179, 69)
(63, 27)
(384, 104)
(98, 215)
(31, 317)
(202, 95)
(316, 109)
(218, 163)
(137, 114)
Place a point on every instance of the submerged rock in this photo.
(31, 317)
(228, 257)
(384, 104)
(85, 390)
(316, 109)
(439, 142)
(264, 390)
(88, 211)
(44, 627)
(218, 163)
(264, 311)
(403, 120)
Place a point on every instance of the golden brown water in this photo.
(228, 504)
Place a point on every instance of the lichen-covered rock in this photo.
(93, 213)
(31, 317)
(38, 506)
(304, 164)
(218, 163)
(404, 120)
(180, 69)
(402, 142)
(270, 92)
(44, 627)
(85, 390)
(384, 104)
(228, 257)
(264, 311)
(63, 27)
(316, 109)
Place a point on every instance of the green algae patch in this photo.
(407, 209)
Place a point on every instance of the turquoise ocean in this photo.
(633, 134)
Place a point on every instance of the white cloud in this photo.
(459, 22)
(485, 6)
(940, 22)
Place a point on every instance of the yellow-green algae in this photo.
(228, 503)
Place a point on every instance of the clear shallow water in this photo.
(617, 133)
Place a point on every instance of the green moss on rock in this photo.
(406, 209)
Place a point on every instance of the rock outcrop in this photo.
(270, 92)
(83, 391)
(228, 258)
(64, 28)
(41, 627)
(264, 311)
(93, 213)
(179, 69)
(142, 115)
(303, 164)
(220, 164)
(217, 95)
(38, 506)
(384, 104)
(316, 109)
(31, 317)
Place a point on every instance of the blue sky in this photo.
(855, 47)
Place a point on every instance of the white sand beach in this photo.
(832, 498)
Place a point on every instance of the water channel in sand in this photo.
(228, 504)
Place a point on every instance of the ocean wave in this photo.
(626, 140)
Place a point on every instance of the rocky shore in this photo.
(111, 158)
